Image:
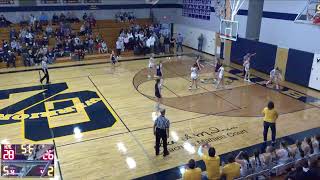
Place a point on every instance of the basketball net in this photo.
(235, 5)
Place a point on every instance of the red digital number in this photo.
(48, 155)
(8, 154)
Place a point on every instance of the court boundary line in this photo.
(108, 103)
(94, 63)
(272, 89)
(51, 132)
(204, 89)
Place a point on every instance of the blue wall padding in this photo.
(263, 61)
(299, 67)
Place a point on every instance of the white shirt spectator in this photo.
(152, 40)
(13, 44)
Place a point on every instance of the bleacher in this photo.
(108, 29)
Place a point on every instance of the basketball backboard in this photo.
(228, 29)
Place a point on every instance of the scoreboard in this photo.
(27, 160)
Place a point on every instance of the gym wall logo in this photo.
(42, 114)
(318, 8)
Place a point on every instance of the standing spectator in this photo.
(167, 45)
(231, 170)
(85, 16)
(270, 117)
(4, 22)
(192, 173)
(179, 42)
(104, 48)
(200, 42)
(43, 19)
(161, 131)
(119, 47)
(161, 44)
(55, 18)
(211, 161)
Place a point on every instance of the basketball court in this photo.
(101, 118)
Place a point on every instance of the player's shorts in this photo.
(194, 76)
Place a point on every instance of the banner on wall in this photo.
(314, 81)
(198, 9)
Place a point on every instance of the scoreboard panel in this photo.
(27, 160)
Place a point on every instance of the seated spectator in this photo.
(316, 143)
(231, 170)
(55, 18)
(43, 19)
(211, 161)
(2, 55)
(5, 46)
(82, 30)
(269, 156)
(3, 21)
(10, 59)
(283, 153)
(13, 34)
(104, 48)
(308, 146)
(246, 166)
(192, 173)
(49, 30)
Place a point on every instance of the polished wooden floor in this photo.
(228, 119)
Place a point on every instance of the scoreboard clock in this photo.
(27, 160)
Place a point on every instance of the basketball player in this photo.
(151, 66)
(220, 77)
(247, 58)
(44, 69)
(113, 58)
(157, 93)
(194, 76)
(200, 66)
(217, 66)
(246, 66)
(275, 78)
(159, 72)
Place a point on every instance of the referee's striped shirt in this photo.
(162, 122)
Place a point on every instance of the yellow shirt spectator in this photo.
(212, 166)
(231, 170)
(192, 174)
(270, 115)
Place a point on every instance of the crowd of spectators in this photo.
(124, 17)
(155, 38)
(32, 41)
(295, 162)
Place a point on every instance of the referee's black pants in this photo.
(46, 76)
(266, 126)
(161, 134)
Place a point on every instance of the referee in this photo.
(161, 131)
(45, 71)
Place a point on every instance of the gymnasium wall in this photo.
(165, 9)
(299, 67)
(191, 35)
(282, 30)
